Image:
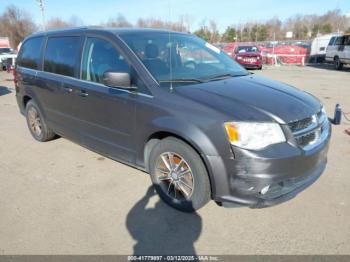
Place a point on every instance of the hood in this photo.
(253, 98)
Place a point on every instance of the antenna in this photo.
(170, 49)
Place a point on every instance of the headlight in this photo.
(239, 57)
(254, 136)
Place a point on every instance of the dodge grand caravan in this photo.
(176, 107)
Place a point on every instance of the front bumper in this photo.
(286, 169)
(257, 64)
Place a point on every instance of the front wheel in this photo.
(179, 175)
(338, 64)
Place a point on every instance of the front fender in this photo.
(187, 131)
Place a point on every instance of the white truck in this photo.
(7, 55)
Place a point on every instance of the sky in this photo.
(224, 12)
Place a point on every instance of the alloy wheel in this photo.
(34, 121)
(174, 176)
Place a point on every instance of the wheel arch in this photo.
(25, 100)
(187, 133)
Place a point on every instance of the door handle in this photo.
(83, 93)
(67, 89)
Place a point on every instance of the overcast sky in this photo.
(224, 12)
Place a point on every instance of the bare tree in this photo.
(119, 21)
(57, 23)
(16, 24)
(75, 20)
(214, 32)
(180, 25)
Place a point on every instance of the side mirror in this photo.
(117, 79)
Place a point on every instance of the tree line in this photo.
(16, 24)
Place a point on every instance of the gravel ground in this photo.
(60, 198)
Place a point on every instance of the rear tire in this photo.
(338, 64)
(179, 175)
(37, 124)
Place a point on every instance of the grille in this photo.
(300, 124)
(308, 130)
(319, 115)
(306, 139)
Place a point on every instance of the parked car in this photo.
(338, 51)
(176, 107)
(248, 56)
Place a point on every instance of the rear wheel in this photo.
(337, 63)
(179, 175)
(36, 123)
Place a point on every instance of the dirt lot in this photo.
(59, 198)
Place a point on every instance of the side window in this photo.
(30, 53)
(62, 54)
(100, 56)
(347, 40)
(339, 41)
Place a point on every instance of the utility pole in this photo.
(41, 6)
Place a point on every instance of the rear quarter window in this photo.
(29, 55)
(62, 54)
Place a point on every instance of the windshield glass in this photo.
(181, 59)
(243, 49)
(5, 50)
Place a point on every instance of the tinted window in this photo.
(339, 41)
(101, 56)
(61, 55)
(347, 40)
(30, 53)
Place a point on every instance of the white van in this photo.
(338, 51)
(319, 46)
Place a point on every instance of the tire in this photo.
(37, 124)
(337, 64)
(193, 172)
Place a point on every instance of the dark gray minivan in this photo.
(176, 107)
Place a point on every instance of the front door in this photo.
(105, 114)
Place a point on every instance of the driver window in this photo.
(100, 56)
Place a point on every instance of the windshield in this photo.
(5, 50)
(181, 59)
(243, 49)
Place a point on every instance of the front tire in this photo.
(179, 175)
(37, 124)
(337, 63)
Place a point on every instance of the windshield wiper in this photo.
(224, 76)
(182, 80)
